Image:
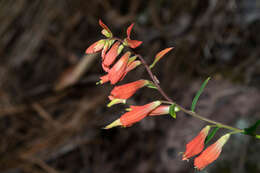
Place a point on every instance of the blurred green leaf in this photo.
(172, 111)
(196, 98)
(251, 130)
(211, 135)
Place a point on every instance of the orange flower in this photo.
(120, 93)
(130, 66)
(112, 54)
(159, 56)
(131, 43)
(196, 145)
(135, 115)
(211, 153)
(118, 70)
(95, 47)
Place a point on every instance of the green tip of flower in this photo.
(99, 82)
(128, 109)
(116, 101)
(106, 33)
(113, 124)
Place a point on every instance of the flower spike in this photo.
(210, 154)
(159, 56)
(196, 145)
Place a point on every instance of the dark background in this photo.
(48, 126)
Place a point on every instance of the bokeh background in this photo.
(51, 126)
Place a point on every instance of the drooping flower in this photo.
(211, 153)
(196, 145)
(123, 92)
(111, 55)
(118, 70)
(128, 41)
(135, 115)
(96, 47)
(106, 31)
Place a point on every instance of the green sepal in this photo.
(172, 111)
(151, 85)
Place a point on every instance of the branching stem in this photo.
(170, 101)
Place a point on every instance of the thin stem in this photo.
(170, 101)
(221, 125)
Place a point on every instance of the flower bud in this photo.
(211, 153)
(196, 145)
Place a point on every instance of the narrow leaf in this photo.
(196, 98)
(172, 111)
(211, 135)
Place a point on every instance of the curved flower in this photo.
(196, 145)
(111, 55)
(118, 70)
(131, 43)
(135, 115)
(96, 47)
(120, 93)
(211, 153)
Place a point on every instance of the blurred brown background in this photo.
(59, 131)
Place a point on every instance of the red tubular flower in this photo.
(107, 45)
(95, 47)
(196, 145)
(131, 43)
(120, 93)
(118, 70)
(211, 153)
(135, 115)
(112, 54)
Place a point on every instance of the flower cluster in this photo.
(210, 154)
(118, 59)
(117, 63)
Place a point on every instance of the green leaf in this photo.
(196, 98)
(211, 135)
(172, 111)
(251, 130)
